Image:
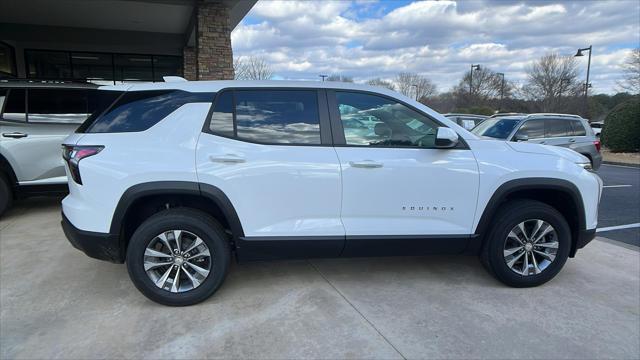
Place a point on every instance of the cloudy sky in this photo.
(440, 39)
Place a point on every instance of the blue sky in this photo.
(367, 39)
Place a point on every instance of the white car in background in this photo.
(35, 116)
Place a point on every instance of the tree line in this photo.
(553, 84)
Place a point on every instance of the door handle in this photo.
(227, 159)
(572, 140)
(542, 142)
(367, 164)
(15, 135)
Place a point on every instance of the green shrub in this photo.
(622, 127)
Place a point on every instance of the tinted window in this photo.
(58, 105)
(98, 102)
(140, 110)
(379, 121)
(14, 107)
(534, 129)
(557, 128)
(222, 115)
(278, 116)
(496, 127)
(578, 128)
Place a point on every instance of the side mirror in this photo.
(446, 138)
(520, 137)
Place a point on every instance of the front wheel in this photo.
(178, 257)
(527, 245)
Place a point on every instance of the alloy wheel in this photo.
(177, 261)
(530, 247)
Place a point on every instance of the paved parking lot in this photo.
(620, 203)
(57, 303)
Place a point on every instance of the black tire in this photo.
(510, 215)
(6, 195)
(193, 221)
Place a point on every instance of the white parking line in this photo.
(622, 166)
(616, 186)
(619, 227)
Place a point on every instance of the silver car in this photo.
(35, 117)
(570, 131)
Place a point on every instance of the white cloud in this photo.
(439, 39)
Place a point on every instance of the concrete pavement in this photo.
(57, 303)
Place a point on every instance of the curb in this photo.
(621, 164)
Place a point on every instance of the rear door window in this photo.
(277, 116)
(222, 115)
(140, 110)
(15, 105)
(557, 128)
(60, 106)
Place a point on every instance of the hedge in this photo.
(622, 127)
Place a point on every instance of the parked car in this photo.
(570, 131)
(467, 121)
(35, 117)
(597, 127)
(176, 178)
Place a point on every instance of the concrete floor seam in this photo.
(356, 309)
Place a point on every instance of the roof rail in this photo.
(42, 81)
(573, 116)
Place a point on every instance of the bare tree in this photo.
(252, 68)
(414, 85)
(631, 67)
(551, 80)
(340, 77)
(381, 83)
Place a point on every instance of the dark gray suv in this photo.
(570, 131)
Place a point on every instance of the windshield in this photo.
(498, 128)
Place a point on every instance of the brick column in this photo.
(213, 54)
(189, 63)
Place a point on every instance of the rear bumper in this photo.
(584, 237)
(596, 161)
(97, 245)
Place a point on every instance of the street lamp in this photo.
(416, 86)
(586, 87)
(477, 67)
(323, 76)
(501, 87)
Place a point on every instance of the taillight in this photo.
(72, 154)
(597, 144)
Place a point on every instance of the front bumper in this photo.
(97, 245)
(584, 237)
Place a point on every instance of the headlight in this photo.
(585, 165)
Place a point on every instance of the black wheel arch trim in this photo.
(7, 169)
(175, 188)
(516, 185)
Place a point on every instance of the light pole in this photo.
(477, 67)
(416, 86)
(587, 85)
(323, 76)
(501, 88)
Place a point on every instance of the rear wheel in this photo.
(6, 195)
(178, 257)
(528, 244)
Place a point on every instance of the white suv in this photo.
(177, 177)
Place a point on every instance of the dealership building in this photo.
(118, 41)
